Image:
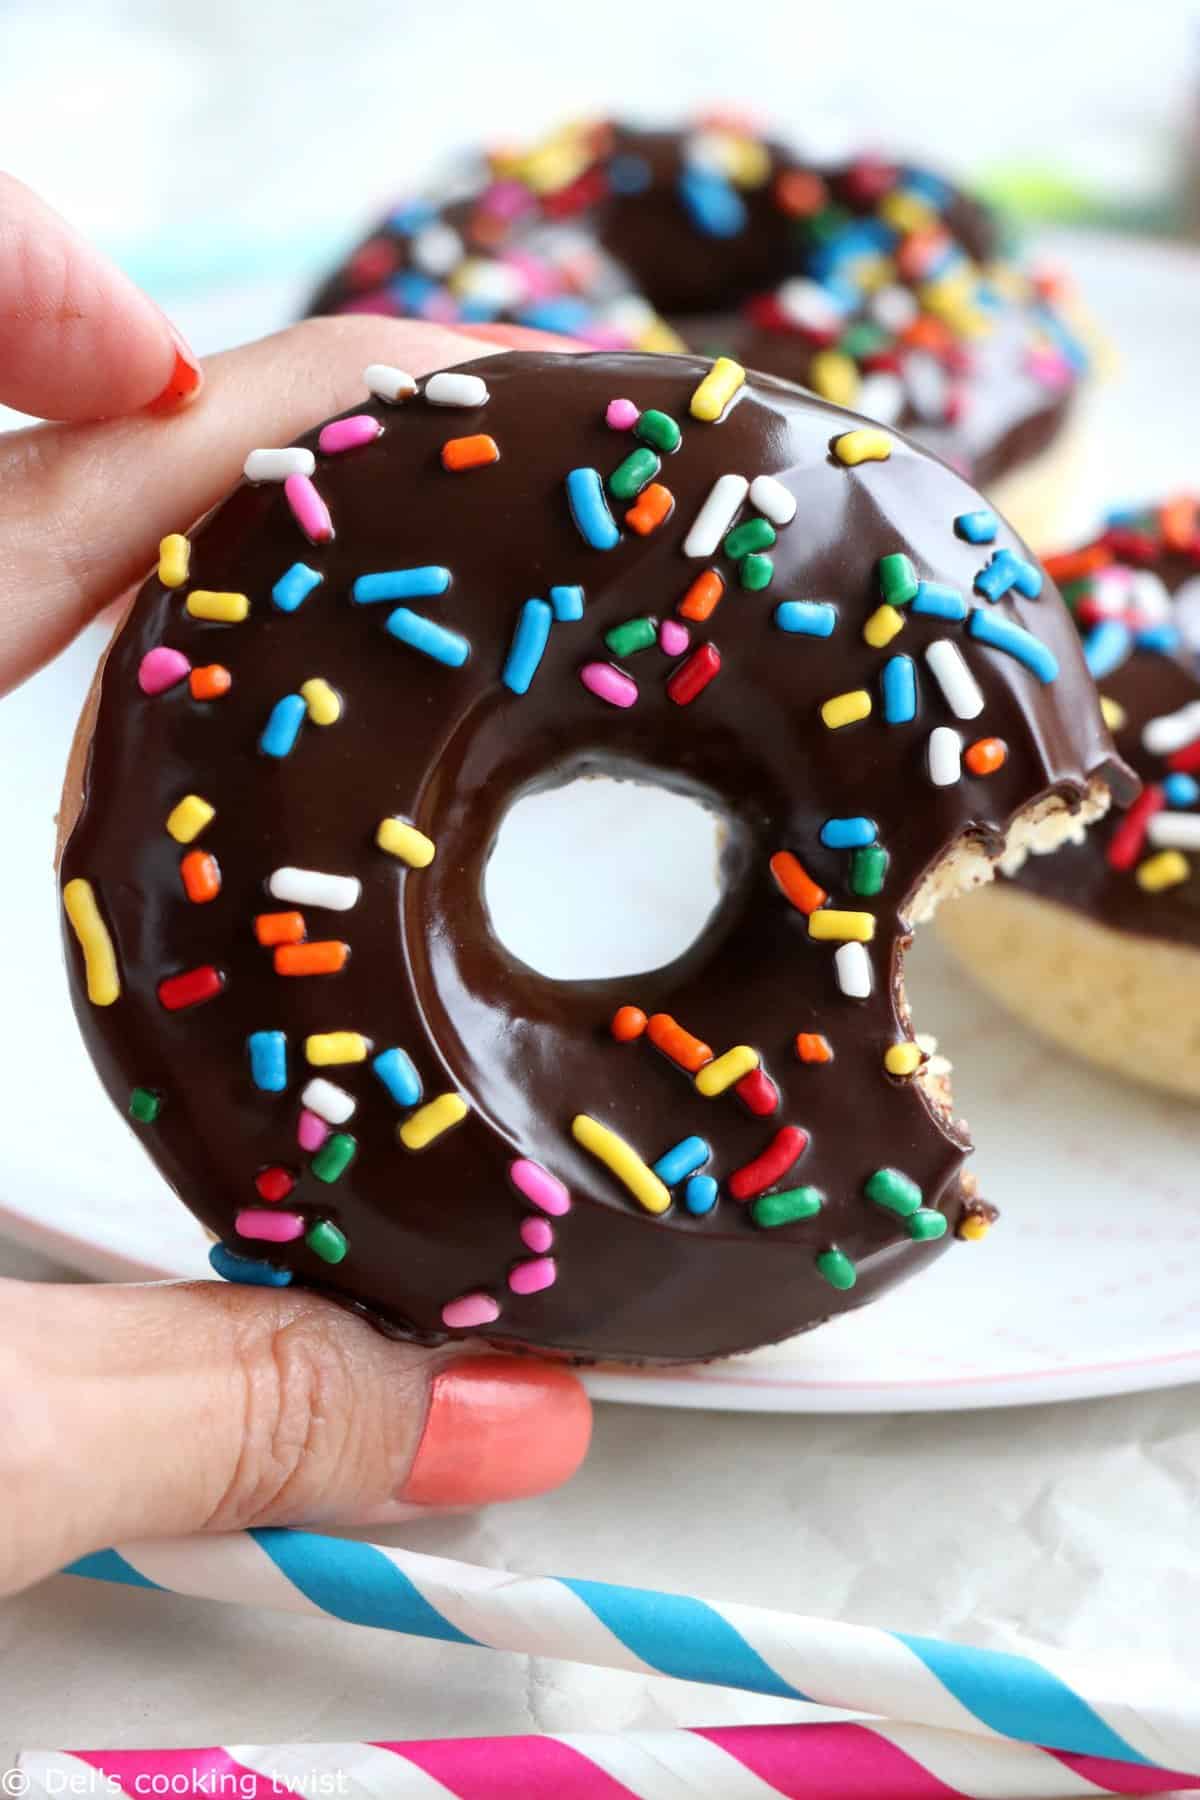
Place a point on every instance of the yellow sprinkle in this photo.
(401, 839)
(187, 820)
(226, 609)
(553, 165)
(323, 702)
(723, 1071)
(624, 1162)
(882, 626)
(174, 555)
(846, 709)
(973, 1226)
(658, 337)
(326, 1047)
(99, 957)
(429, 1121)
(905, 212)
(834, 377)
(747, 162)
(1114, 713)
(902, 1059)
(868, 444)
(841, 927)
(717, 389)
(1165, 870)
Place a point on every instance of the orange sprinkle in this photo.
(799, 193)
(654, 504)
(628, 1023)
(1073, 565)
(210, 683)
(927, 333)
(811, 1047)
(703, 597)
(279, 928)
(682, 1048)
(986, 755)
(1177, 519)
(311, 959)
(201, 876)
(796, 883)
(470, 452)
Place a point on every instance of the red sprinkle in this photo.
(1125, 845)
(757, 1091)
(274, 1183)
(1187, 760)
(754, 1178)
(693, 676)
(190, 988)
(1131, 546)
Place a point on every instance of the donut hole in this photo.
(605, 876)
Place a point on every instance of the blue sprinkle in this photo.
(420, 633)
(411, 215)
(1106, 647)
(1124, 517)
(268, 1060)
(712, 205)
(528, 645)
(939, 601)
(232, 1267)
(283, 727)
(978, 527)
(687, 1156)
(411, 290)
(566, 603)
(899, 690)
(395, 1069)
(294, 586)
(566, 313)
(848, 834)
(1163, 638)
(478, 312)
(1181, 790)
(1008, 570)
(927, 186)
(808, 618)
(700, 1194)
(400, 584)
(1001, 634)
(629, 174)
(589, 509)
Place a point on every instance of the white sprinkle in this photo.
(893, 308)
(945, 756)
(881, 397)
(482, 278)
(1112, 592)
(387, 383)
(1187, 612)
(309, 887)
(1175, 830)
(853, 967)
(807, 303)
(960, 689)
(277, 465)
(772, 499)
(329, 1101)
(1171, 731)
(1151, 601)
(437, 249)
(716, 515)
(928, 386)
(449, 389)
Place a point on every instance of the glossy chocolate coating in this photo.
(452, 749)
(718, 292)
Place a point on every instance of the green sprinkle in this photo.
(897, 578)
(828, 222)
(756, 573)
(925, 1225)
(754, 534)
(786, 1207)
(630, 477)
(837, 1269)
(334, 1157)
(894, 1192)
(144, 1105)
(326, 1241)
(868, 868)
(862, 339)
(634, 634)
(659, 430)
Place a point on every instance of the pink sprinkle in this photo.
(269, 1227)
(308, 509)
(311, 1131)
(1050, 368)
(506, 200)
(537, 1235)
(622, 415)
(673, 637)
(539, 1187)
(162, 669)
(609, 684)
(470, 1310)
(348, 434)
(532, 1276)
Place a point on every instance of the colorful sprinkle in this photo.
(566, 603)
(279, 928)
(429, 1122)
(400, 584)
(865, 445)
(329, 1049)
(925, 1225)
(189, 817)
(655, 506)
(312, 887)
(787, 1207)
(784, 1150)
(334, 1157)
(833, 926)
(659, 430)
(848, 834)
(673, 638)
(528, 646)
(325, 1240)
(703, 597)
(631, 476)
(282, 729)
(395, 1069)
(806, 618)
(894, 1191)
(435, 641)
(174, 558)
(744, 539)
(903, 1059)
(621, 415)
(758, 1093)
(144, 1105)
(245, 1269)
(201, 877)
(387, 383)
(694, 675)
(960, 690)
(589, 509)
(716, 515)
(401, 839)
(348, 434)
(607, 683)
(450, 389)
(192, 988)
(161, 669)
(795, 883)
(852, 967)
(717, 389)
(898, 582)
(532, 1276)
(539, 1187)
(944, 756)
(323, 703)
(1166, 870)
(460, 454)
(812, 1047)
(846, 709)
(936, 600)
(628, 1024)
(220, 609)
(868, 871)
(269, 1227)
(836, 1268)
(278, 465)
(328, 1101)
(1001, 634)
(294, 586)
(882, 626)
(210, 683)
(632, 636)
(725, 1071)
(986, 755)
(622, 1161)
(308, 509)
(977, 527)
(1007, 570)
(469, 1312)
(700, 1195)
(311, 959)
(772, 499)
(311, 1131)
(899, 690)
(684, 1050)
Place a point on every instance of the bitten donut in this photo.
(1099, 946)
(878, 284)
(318, 713)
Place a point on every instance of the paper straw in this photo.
(1127, 1711)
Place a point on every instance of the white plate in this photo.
(1091, 1285)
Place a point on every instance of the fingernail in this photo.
(186, 377)
(498, 1429)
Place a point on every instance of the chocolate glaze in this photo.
(452, 749)
(718, 292)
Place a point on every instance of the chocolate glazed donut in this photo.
(319, 711)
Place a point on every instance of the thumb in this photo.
(130, 1412)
